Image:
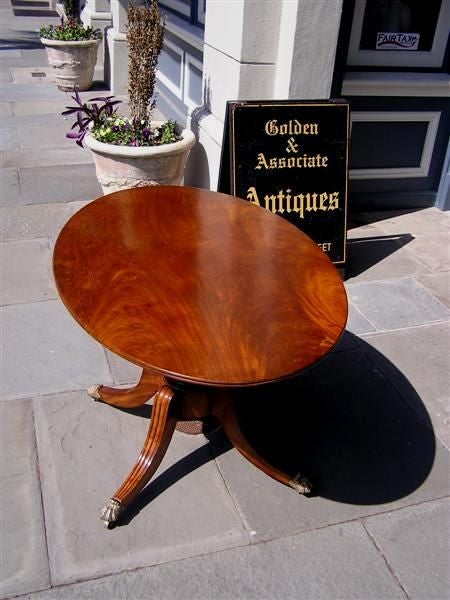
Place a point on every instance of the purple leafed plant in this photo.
(89, 114)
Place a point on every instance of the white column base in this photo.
(116, 73)
(102, 21)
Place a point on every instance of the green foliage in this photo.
(98, 116)
(89, 114)
(124, 131)
(70, 31)
(169, 132)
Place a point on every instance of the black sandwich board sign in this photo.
(291, 157)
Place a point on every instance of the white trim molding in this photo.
(184, 89)
(201, 9)
(178, 5)
(443, 195)
(177, 90)
(190, 102)
(432, 118)
(189, 33)
(423, 85)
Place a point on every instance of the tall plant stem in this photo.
(145, 37)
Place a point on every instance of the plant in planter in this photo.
(134, 151)
(72, 52)
(72, 9)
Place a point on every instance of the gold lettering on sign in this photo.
(306, 161)
(291, 127)
(292, 146)
(252, 196)
(334, 201)
(286, 201)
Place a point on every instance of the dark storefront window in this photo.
(414, 22)
(399, 34)
(189, 10)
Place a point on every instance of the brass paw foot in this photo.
(94, 391)
(110, 513)
(300, 484)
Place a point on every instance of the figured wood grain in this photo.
(162, 425)
(132, 397)
(199, 286)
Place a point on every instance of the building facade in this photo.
(388, 58)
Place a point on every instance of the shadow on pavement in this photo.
(23, 40)
(166, 479)
(363, 253)
(360, 217)
(343, 424)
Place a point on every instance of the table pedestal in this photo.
(174, 401)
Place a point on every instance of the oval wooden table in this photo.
(208, 294)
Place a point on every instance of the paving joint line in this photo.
(358, 519)
(41, 493)
(395, 329)
(353, 306)
(387, 563)
(244, 524)
(387, 378)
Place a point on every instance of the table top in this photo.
(199, 286)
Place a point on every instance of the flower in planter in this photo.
(71, 49)
(133, 151)
(70, 28)
(145, 36)
(90, 115)
(69, 31)
(105, 125)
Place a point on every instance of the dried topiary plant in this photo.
(145, 35)
(72, 9)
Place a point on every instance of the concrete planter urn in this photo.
(122, 167)
(73, 62)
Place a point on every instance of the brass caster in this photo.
(94, 391)
(110, 513)
(300, 484)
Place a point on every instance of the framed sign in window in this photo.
(291, 157)
(399, 33)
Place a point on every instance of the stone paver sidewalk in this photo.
(369, 425)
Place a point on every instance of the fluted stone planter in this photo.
(122, 167)
(73, 62)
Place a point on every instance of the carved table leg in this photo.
(162, 425)
(129, 397)
(224, 410)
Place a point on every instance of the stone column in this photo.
(117, 47)
(307, 48)
(239, 62)
(97, 14)
(261, 50)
